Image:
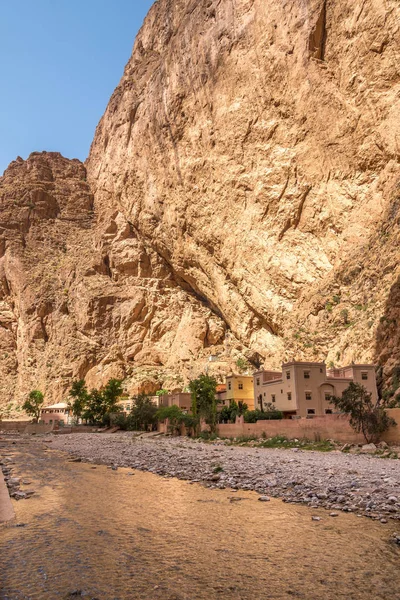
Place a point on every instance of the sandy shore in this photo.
(362, 484)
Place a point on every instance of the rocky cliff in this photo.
(246, 194)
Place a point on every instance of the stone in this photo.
(155, 248)
(368, 448)
(314, 518)
(264, 499)
(333, 514)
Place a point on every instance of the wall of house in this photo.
(246, 394)
(335, 427)
(13, 425)
(53, 417)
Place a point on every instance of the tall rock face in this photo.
(254, 146)
(73, 305)
(242, 198)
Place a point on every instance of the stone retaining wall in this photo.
(13, 425)
(335, 427)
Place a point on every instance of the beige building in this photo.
(181, 399)
(303, 389)
(240, 388)
(56, 413)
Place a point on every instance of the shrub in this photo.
(252, 416)
(366, 417)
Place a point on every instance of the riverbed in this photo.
(91, 531)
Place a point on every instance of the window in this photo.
(264, 393)
(308, 396)
(306, 374)
(328, 411)
(258, 381)
(229, 385)
(311, 411)
(364, 376)
(287, 374)
(320, 370)
(273, 398)
(240, 386)
(327, 396)
(289, 395)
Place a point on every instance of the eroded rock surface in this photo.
(246, 193)
(254, 146)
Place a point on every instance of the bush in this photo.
(366, 417)
(252, 416)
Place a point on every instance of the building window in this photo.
(320, 370)
(258, 381)
(327, 396)
(240, 386)
(328, 411)
(229, 385)
(264, 394)
(308, 396)
(364, 376)
(273, 398)
(306, 374)
(289, 395)
(287, 374)
(311, 411)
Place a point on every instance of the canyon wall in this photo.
(242, 199)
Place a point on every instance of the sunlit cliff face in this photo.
(244, 191)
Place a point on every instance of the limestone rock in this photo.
(241, 199)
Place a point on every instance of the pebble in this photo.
(264, 499)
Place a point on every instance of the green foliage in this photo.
(366, 417)
(143, 414)
(204, 402)
(229, 413)
(176, 418)
(242, 364)
(328, 306)
(96, 407)
(345, 315)
(252, 416)
(79, 394)
(33, 405)
(336, 299)
(162, 392)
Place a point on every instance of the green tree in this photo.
(33, 405)
(204, 399)
(176, 417)
(143, 413)
(101, 403)
(111, 394)
(79, 395)
(94, 411)
(162, 392)
(366, 417)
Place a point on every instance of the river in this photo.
(90, 531)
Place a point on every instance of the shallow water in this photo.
(126, 534)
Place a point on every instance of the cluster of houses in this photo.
(299, 390)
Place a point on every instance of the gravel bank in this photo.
(364, 485)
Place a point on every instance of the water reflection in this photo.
(124, 535)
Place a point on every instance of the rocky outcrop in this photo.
(245, 182)
(254, 146)
(73, 305)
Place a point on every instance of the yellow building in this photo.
(240, 388)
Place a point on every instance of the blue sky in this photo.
(60, 61)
